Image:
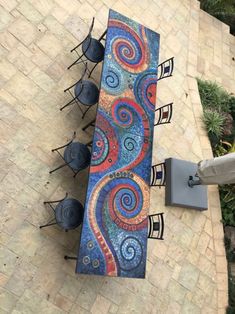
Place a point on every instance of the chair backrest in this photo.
(78, 82)
(91, 26)
(164, 114)
(156, 226)
(166, 68)
(158, 175)
(88, 37)
(73, 138)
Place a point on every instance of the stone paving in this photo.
(187, 272)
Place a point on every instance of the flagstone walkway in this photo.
(187, 272)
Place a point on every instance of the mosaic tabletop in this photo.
(114, 232)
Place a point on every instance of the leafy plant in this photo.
(213, 96)
(224, 148)
(214, 122)
(231, 280)
(232, 106)
(227, 198)
(231, 307)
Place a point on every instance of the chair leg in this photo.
(88, 124)
(75, 174)
(75, 62)
(92, 70)
(48, 224)
(58, 168)
(68, 88)
(48, 202)
(68, 104)
(63, 146)
(66, 257)
(76, 46)
(85, 112)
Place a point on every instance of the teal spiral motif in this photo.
(130, 143)
(131, 253)
(112, 79)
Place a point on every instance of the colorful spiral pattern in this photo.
(126, 202)
(105, 145)
(145, 89)
(113, 81)
(122, 112)
(131, 253)
(128, 47)
(101, 147)
(114, 233)
(130, 143)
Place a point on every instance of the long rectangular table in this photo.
(114, 233)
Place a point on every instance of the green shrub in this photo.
(230, 310)
(232, 294)
(224, 100)
(227, 200)
(214, 122)
(232, 106)
(214, 96)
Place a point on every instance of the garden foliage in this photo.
(219, 118)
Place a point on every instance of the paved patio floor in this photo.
(187, 272)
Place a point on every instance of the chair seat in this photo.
(95, 52)
(77, 155)
(69, 213)
(89, 95)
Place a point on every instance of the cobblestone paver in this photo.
(186, 273)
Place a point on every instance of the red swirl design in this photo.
(130, 51)
(112, 155)
(145, 122)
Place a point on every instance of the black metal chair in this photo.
(164, 114)
(158, 175)
(68, 213)
(156, 226)
(76, 156)
(92, 49)
(166, 68)
(85, 93)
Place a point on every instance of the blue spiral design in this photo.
(112, 79)
(130, 143)
(131, 253)
(127, 204)
(122, 113)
